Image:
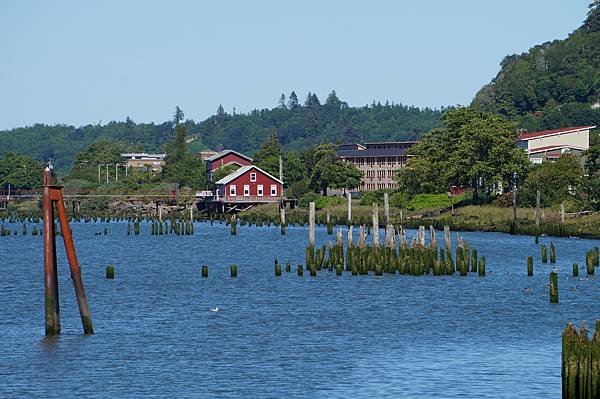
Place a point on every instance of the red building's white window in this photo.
(246, 190)
(259, 190)
(273, 190)
(252, 177)
(232, 190)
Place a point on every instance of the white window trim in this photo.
(259, 190)
(246, 190)
(253, 177)
(273, 187)
(232, 190)
(536, 160)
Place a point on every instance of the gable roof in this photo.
(544, 133)
(232, 176)
(226, 152)
(553, 147)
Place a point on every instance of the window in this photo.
(246, 190)
(232, 190)
(252, 177)
(273, 190)
(259, 190)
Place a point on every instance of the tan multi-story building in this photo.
(378, 162)
(143, 161)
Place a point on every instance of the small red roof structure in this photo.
(566, 130)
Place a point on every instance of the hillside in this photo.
(298, 126)
(553, 84)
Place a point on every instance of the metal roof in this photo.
(243, 170)
(544, 133)
(372, 152)
(226, 152)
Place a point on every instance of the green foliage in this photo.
(399, 200)
(298, 126)
(435, 201)
(551, 85)
(189, 171)
(267, 158)
(319, 200)
(20, 171)
(557, 181)
(101, 152)
(474, 150)
(181, 167)
(223, 171)
(369, 197)
(327, 171)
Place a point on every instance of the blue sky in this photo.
(80, 62)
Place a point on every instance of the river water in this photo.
(288, 337)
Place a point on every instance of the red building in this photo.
(249, 184)
(224, 158)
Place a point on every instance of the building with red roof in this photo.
(548, 145)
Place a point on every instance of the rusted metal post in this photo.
(50, 276)
(84, 310)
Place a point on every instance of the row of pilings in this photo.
(580, 370)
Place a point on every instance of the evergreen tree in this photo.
(293, 101)
(281, 103)
(178, 115)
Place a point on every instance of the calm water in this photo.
(323, 337)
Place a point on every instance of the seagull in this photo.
(528, 290)
(555, 269)
(574, 288)
(216, 309)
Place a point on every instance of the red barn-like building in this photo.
(249, 184)
(224, 158)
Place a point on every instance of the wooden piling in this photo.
(50, 271)
(447, 237)
(375, 225)
(233, 270)
(349, 208)
(530, 266)
(552, 253)
(575, 270)
(311, 224)
(386, 208)
(538, 213)
(300, 270)
(482, 266)
(562, 212)
(110, 272)
(553, 287)
(544, 254)
(282, 218)
(288, 267)
(233, 224)
(277, 269)
(204, 271)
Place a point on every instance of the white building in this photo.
(548, 145)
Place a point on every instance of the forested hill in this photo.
(297, 124)
(553, 84)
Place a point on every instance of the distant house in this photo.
(548, 145)
(249, 184)
(223, 158)
(204, 155)
(378, 161)
(143, 161)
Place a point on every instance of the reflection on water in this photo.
(361, 336)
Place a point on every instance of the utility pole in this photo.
(98, 173)
(117, 172)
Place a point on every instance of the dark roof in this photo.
(372, 152)
(227, 152)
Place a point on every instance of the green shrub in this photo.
(399, 200)
(435, 201)
(369, 197)
(320, 201)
